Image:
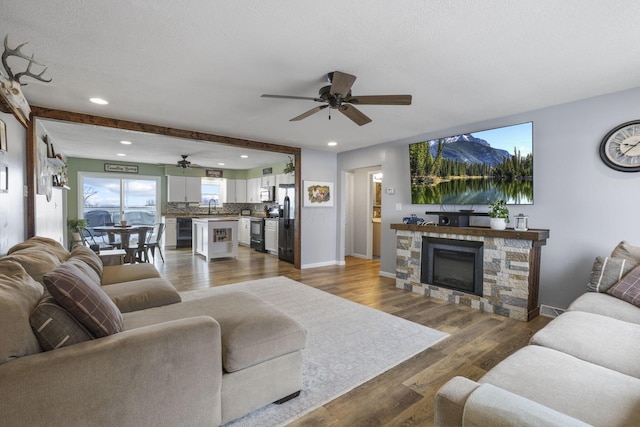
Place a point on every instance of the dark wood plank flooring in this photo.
(405, 394)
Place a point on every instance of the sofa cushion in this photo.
(627, 251)
(127, 273)
(142, 294)
(19, 294)
(36, 262)
(55, 327)
(253, 330)
(628, 289)
(43, 243)
(607, 271)
(582, 390)
(606, 305)
(608, 342)
(86, 255)
(85, 300)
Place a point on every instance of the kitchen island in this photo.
(215, 237)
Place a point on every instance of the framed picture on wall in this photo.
(4, 178)
(318, 194)
(3, 136)
(213, 173)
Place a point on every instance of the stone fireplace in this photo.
(510, 267)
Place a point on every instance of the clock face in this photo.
(620, 148)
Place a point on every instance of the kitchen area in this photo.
(257, 213)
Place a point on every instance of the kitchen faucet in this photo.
(210, 200)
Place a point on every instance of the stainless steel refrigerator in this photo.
(287, 202)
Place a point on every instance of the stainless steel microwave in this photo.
(267, 194)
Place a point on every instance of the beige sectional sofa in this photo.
(581, 369)
(129, 351)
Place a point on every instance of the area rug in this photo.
(348, 344)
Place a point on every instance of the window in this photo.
(111, 198)
(214, 189)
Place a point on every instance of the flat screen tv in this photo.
(476, 168)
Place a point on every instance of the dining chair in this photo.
(136, 250)
(154, 241)
(89, 239)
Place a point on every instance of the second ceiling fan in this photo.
(338, 96)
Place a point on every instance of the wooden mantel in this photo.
(538, 236)
(511, 267)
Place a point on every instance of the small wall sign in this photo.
(213, 173)
(109, 167)
(267, 171)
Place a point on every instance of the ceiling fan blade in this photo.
(380, 100)
(341, 83)
(308, 113)
(291, 97)
(354, 114)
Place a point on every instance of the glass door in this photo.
(109, 198)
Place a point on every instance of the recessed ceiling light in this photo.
(121, 155)
(244, 156)
(332, 144)
(99, 101)
(220, 164)
(126, 142)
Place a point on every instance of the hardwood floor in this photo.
(405, 394)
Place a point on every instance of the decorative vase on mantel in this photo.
(498, 215)
(498, 223)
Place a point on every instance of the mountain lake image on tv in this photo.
(475, 168)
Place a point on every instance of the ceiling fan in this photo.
(184, 163)
(337, 95)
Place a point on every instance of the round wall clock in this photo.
(620, 148)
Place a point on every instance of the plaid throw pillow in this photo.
(628, 289)
(84, 300)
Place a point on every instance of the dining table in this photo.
(132, 248)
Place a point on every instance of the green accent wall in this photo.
(75, 165)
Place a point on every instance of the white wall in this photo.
(318, 223)
(587, 207)
(12, 204)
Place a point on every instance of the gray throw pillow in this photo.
(54, 327)
(84, 300)
(607, 271)
(628, 289)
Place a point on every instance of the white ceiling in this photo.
(202, 65)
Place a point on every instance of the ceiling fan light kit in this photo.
(338, 96)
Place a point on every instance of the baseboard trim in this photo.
(320, 264)
(385, 274)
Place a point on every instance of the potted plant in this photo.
(289, 167)
(499, 215)
(73, 224)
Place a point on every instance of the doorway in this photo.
(359, 211)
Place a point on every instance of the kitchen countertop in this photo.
(216, 219)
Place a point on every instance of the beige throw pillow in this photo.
(19, 294)
(627, 251)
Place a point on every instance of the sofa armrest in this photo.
(158, 375)
(489, 405)
(450, 401)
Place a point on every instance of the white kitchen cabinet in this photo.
(285, 178)
(184, 189)
(271, 235)
(253, 190)
(268, 180)
(241, 190)
(169, 236)
(244, 231)
(230, 191)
